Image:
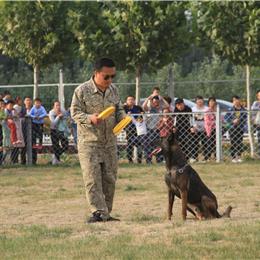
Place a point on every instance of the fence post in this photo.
(61, 95)
(28, 123)
(218, 135)
(171, 83)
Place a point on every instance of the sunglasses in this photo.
(107, 77)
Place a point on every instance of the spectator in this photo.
(6, 141)
(256, 107)
(19, 115)
(210, 127)
(131, 135)
(165, 124)
(2, 125)
(27, 105)
(73, 126)
(169, 101)
(182, 126)
(141, 139)
(7, 96)
(147, 105)
(19, 108)
(25, 113)
(236, 118)
(59, 131)
(199, 133)
(37, 113)
(153, 108)
(10, 115)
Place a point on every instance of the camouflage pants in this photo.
(99, 168)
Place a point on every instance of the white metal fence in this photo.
(203, 137)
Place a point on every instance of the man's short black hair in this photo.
(258, 91)
(179, 101)
(156, 88)
(37, 99)
(130, 96)
(156, 98)
(235, 97)
(103, 62)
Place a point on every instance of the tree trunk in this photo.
(248, 92)
(36, 74)
(137, 85)
(171, 83)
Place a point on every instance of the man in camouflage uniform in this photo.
(96, 141)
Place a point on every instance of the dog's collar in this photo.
(181, 170)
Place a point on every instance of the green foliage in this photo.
(138, 35)
(35, 31)
(233, 28)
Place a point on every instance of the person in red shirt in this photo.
(166, 123)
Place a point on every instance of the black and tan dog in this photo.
(185, 183)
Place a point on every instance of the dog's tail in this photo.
(227, 212)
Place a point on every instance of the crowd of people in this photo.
(195, 127)
(14, 134)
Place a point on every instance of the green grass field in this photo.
(43, 209)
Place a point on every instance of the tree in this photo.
(36, 32)
(140, 36)
(233, 28)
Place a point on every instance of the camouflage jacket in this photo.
(88, 99)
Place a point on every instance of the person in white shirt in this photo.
(59, 131)
(198, 129)
(142, 140)
(256, 107)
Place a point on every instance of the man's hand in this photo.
(60, 115)
(193, 130)
(236, 121)
(94, 119)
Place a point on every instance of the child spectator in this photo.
(10, 115)
(37, 113)
(141, 139)
(166, 123)
(19, 108)
(19, 112)
(59, 131)
(210, 127)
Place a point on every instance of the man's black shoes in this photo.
(96, 217)
(99, 217)
(112, 219)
